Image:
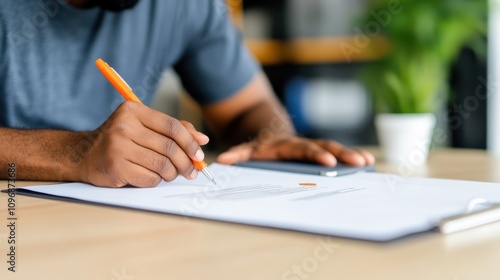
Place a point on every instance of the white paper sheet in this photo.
(372, 206)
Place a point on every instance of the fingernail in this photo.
(331, 160)
(199, 156)
(203, 136)
(194, 174)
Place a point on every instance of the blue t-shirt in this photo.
(48, 78)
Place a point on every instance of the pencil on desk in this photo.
(124, 89)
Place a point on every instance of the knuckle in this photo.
(116, 184)
(128, 106)
(151, 180)
(304, 149)
(159, 163)
(187, 124)
(175, 127)
(170, 147)
(113, 179)
(170, 175)
(156, 180)
(193, 145)
(121, 127)
(315, 152)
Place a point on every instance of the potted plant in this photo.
(409, 84)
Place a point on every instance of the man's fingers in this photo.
(152, 150)
(240, 153)
(122, 172)
(298, 149)
(161, 153)
(138, 176)
(168, 127)
(158, 163)
(287, 149)
(140, 146)
(347, 155)
(369, 158)
(327, 153)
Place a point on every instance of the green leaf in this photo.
(426, 38)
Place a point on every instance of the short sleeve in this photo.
(215, 63)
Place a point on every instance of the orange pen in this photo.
(124, 89)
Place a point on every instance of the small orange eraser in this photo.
(308, 184)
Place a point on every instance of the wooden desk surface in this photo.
(61, 240)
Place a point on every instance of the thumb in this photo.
(240, 153)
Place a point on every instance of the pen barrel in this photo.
(117, 81)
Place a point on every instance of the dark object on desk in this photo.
(306, 168)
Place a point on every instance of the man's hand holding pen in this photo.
(140, 146)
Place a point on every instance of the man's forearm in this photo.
(262, 122)
(48, 155)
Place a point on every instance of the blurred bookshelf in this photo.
(314, 50)
(305, 49)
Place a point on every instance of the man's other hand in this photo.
(295, 148)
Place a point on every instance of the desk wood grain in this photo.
(61, 240)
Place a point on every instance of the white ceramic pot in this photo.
(405, 138)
